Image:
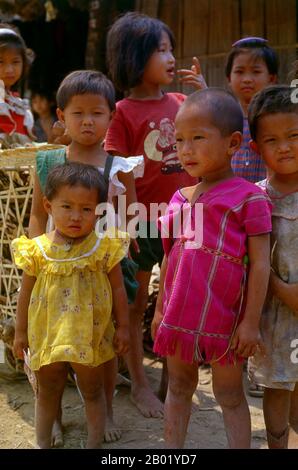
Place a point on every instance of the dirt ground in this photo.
(206, 429)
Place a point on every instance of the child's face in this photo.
(41, 105)
(201, 148)
(73, 210)
(87, 118)
(277, 142)
(248, 76)
(160, 68)
(11, 66)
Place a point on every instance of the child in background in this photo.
(72, 282)
(16, 120)
(273, 120)
(207, 311)
(251, 66)
(43, 107)
(86, 103)
(141, 62)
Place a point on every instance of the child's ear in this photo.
(60, 115)
(273, 78)
(47, 205)
(254, 146)
(112, 115)
(235, 142)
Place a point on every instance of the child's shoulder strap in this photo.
(46, 160)
(107, 168)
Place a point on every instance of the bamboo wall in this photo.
(208, 28)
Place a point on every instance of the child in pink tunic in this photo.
(210, 300)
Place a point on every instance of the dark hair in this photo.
(258, 49)
(82, 82)
(46, 94)
(75, 174)
(11, 39)
(224, 109)
(131, 41)
(270, 100)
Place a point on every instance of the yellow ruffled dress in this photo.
(69, 316)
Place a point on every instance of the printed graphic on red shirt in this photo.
(160, 146)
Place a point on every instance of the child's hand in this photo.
(20, 342)
(60, 134)
(157, 319)
(193, 76)
(246, 340)
(121, 340)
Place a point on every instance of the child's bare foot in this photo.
(147, 403)
(112, 432)
(57, 435)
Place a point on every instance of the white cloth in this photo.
(124, 165)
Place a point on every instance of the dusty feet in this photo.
(57, 435)
(112, 431)
(147, 403)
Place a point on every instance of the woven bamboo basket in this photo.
(17, 167)
(16, 187)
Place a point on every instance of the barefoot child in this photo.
(141, 63)
(251, 66)
(72, 279)
(16, 120)
(202, 315)
(86, 103)
(273, 120)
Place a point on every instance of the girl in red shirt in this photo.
(16, 120)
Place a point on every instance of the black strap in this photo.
(107, 169)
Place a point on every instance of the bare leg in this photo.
(276, 407)
(183, 380)
(51, 383)
(141, 393)
(90, 381)
(293, 438)
(57, 431)
(228, 391)
(112, 432)
(163, 387)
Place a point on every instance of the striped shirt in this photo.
(245, 162)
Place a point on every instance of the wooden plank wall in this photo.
(208, 28)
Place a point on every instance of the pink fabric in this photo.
(202, 301)
(146, 127)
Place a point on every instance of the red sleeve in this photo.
(117, 136)
(165, 223)
(256, 215)
(180, 97)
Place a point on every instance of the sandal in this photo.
(255, 390)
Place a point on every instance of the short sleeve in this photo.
(256, 214)
(165, 223)
(116, 249)
(25, 255)
(124, 165)
(117, 137)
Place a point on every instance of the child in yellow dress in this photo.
(71, 280)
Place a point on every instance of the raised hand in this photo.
(193, 76)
